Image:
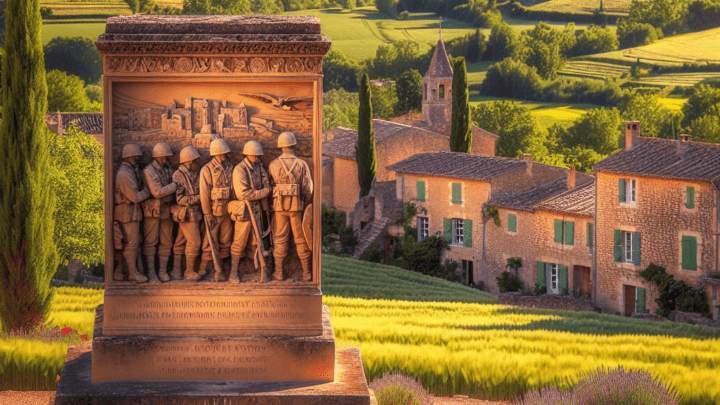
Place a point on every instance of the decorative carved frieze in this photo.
(249, 65)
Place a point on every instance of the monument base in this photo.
(213, 358)
(76, 388)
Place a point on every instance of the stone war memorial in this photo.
(212, 217)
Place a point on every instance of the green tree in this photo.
(705, 128)
(595, 39)
(384, 100)
(365, 151)
(267, 7)
(518, 130)
(75, 56)
(631, 34)
(476, 47)
(703, 99)
(511, 78)
(393, 59)
(66, 93)
(461, 130)
(598, 129)
(28, 255)
(409, 88)
(340, 72)
(347, 103)
(669, 16)
(544, 48)
(78, 182)
(502, 42)
(657, 120)
(213, 7)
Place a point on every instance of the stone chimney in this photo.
(632, 133)
(683, 138)
(571, 178)
(528, 159)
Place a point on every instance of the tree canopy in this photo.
(366, 154)
(75, 56)
(518, 130)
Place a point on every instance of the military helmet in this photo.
(161, 150)
(253, 148)
(188, 154)
(286, 139)
(131, 150)
(219, 147)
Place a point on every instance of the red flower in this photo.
(65, 331)
(83, 337)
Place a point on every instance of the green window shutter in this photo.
(689, 253)
(457, 193)
(563, 279)
(589, 234)
(447, 229)
(569, 233)
(636, 248)
(640, 300)
(558, 231)
(467, 236)
(621, 190)
(512, 223)
(421, 190)
(691, 197)
(541, 274)
(617, 246)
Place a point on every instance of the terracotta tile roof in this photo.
(340, 142)
(666, 158)
(439, 64)
(526, 200)
(578, 201)
(89, 123)
(457, 165)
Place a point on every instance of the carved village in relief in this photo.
(185, 211)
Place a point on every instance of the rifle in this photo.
(213, 248)
(260, 252)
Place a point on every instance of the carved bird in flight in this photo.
(286, 103)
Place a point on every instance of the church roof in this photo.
(440, 63)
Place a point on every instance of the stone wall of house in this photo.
(412, 142)
(546, 302)
(483, 143)
(501, 244)
(328, 184)
(686, 317)
(346, 190)
(570, 255)
(438, 205)
(661, 217)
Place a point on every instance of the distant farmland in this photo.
(613, 7)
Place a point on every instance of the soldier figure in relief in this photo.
(251, 186)
(127, 213)
(215, 194)
(188, 214)
(292, 191)
(158, 225)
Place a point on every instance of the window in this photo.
(512, 223)
(564, 232)
(467, 271)
(458, 231)
(456, 193)
(554, 277)
(690, 197)
(689, 252)
(626, 247)
(420, 190)
(589, 234)
(442, 91)
(626, 190)
(422, 228)
(425, 91)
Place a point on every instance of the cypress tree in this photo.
(461, 131)
(365, 149)
(28, 256)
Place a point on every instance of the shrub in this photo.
(450, 271)
(400, 380)
(540, 289)
(372, 254)
(425, 257)
(394, 395)
(348, 239)
(45, 12)
(676, 294)
(62, 273)
(332, 221)
(508, 282)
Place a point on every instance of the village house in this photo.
(657, 202)
(397, 139)
(451, 191)
(88, 123)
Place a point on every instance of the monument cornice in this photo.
(258, 64)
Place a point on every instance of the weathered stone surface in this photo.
(212, 357)
(348, 388)
(213, 24)
(546, 302)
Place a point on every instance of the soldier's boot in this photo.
(235, 264)
(176, 273)
(190, 273)
(278, 274)
(133, 273)
(162, 271)
(218, 274)
(118, 273)
(307, 269)
(152, 275)
(203, 267)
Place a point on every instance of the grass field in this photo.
(616, 7)
(546, 114)
(471, 348)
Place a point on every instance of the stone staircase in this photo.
(370, 234)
